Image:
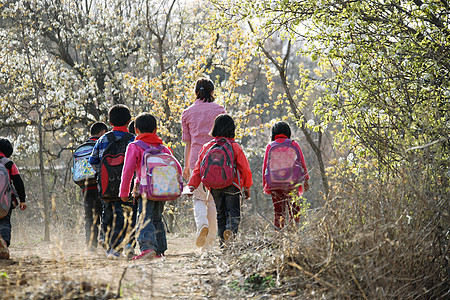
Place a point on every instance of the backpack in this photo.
(5, 188)
(82, 173)
(284, 170)
(160, 178)
(111, 165)
(217, 167)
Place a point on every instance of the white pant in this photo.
(205, 213)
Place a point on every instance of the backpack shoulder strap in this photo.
(6, 162)
(141, 144)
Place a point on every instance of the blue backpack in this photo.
(82, 173)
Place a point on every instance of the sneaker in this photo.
(227, 234)
(147, 254)
(103, 245)
(113, 254)
(4, 251)
(201, 236)
(128, 251)
(159, 255)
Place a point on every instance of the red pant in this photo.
(282, 201)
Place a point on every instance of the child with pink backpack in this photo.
(284, 171)
(158, 175)
(223, 168)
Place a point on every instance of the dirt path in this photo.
(47, 270)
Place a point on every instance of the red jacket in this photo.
(243, 176)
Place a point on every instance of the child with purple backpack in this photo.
(158, 184)
(284, 171)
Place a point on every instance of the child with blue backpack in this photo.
(224, 169)
(284, 171)
(92, 203)
(8, 173)
(148, 149)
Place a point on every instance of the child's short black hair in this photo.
(6, 147)
(131, 128)
(203, 89)
(145, 122)
(119, 115)
(223, 126)
(98, 127)
(281, 128)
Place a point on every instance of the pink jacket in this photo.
(279, 139)
(197, 121)
(133, 160)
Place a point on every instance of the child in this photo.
(282, 198)
(6, 151)
(197, 121)
(92, 204)
(112, 215)
(227, 199)
(151, 233)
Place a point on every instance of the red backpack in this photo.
(111, 166)
(217, 167)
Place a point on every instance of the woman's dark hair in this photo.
(6, 147)
(145, 122)
(203, 89)
(281, 128)
(223, 126)
(119, 115)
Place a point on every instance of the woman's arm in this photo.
(187, 153)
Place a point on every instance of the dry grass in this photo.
(369, 241)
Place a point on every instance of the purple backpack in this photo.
(284, 170)
(160, 178)
(217, 166)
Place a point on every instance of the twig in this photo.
(295, 265)
(357, 283)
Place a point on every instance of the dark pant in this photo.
(92, 215)
(151, 230)
(228, 209)
(282, 201)
(5, 227)
(130, 210)
(113, 223)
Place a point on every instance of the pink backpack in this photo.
(284, 170)
(160, 178)
(217, 166)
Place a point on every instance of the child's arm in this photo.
(243, 167)
(18, 185)
(129, 167)
(305, 185)
(94, 158)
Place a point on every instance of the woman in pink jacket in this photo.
(197, 121)
(151, 233)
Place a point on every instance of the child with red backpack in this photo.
(8, 173)
(284, 171)
(223, 168)
(107, 159)
(158, 175)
